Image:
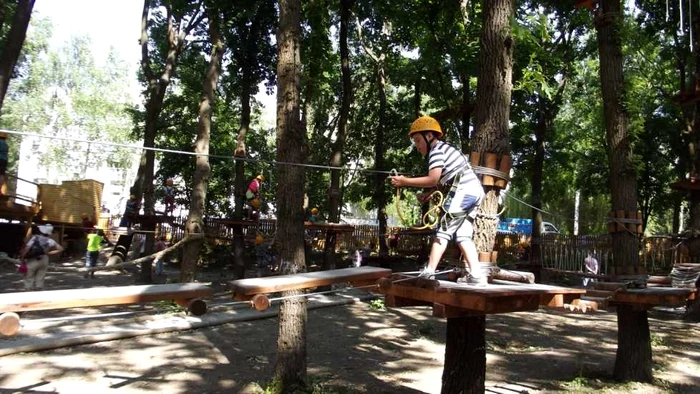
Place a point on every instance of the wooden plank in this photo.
(502, 289)
(656, 296)
(306, 280)
(61, 299)
(475, 300)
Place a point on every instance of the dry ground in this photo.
(355, 349)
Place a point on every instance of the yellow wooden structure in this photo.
(65, 203)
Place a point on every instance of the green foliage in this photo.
(378, 304)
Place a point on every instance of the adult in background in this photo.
(35, 254)
(169, 197)
(131, 210)
(4, 149)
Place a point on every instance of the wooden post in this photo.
(465, 346)
(620, 214)
(633, 360)
(489, 162)
(632, 226)
(504, 167)
(640, 230)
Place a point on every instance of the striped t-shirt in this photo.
(449, 158)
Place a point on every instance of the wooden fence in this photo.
(561, 252)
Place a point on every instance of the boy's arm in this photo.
(429, 180)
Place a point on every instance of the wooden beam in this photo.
(306, 280)
(62, 299)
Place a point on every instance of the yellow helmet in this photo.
(255, 203)
(260, 177)
(259, 239)
(425, 123)
(314, 211)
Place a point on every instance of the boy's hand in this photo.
(398, 181)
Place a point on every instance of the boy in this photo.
(252, 195)
(95, 241)
(450, 169)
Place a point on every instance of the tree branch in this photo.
(155, 256)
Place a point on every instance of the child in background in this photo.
(95, 241)
(160, 245)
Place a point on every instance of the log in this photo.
(513, 276)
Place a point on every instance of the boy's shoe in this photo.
(468, 279)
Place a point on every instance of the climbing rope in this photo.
(436, 196)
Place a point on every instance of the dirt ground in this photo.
(358, 348)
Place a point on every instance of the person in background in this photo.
(131, 210)
(592, 267)
(95, 241)
(87, 223)
(169, 197)
(450, 169)
(314, 218)
(252, 195)
(35, 255)
(4, 150)
(160, 246)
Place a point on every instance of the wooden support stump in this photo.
(196, 306)
(465, 356)
(260, 302)
(9, 324)
(633, 359)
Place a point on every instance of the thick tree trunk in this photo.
(201, 147)
(633, 359)
(633, 332)
(13, 44)
(467, 337)
(492, 111)
(290, 365)
(491, 117)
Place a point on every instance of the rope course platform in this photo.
(451, 299)
(12, 211)
(184, 294)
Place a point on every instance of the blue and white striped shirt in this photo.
(450, 159)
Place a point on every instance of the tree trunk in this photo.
(290, 365)
(466, 338)
(537, 169)
(13, 44)
(157, 86)
(623, 185)
(334, 206)
(633, 359)
(201, 147)
(379, 152)
(491, 117)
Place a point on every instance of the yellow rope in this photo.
(435, 209)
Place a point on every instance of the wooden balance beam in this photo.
(254, 289)
(184, 294)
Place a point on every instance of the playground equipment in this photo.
(184, 294)
(448, 299)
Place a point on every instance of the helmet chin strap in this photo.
(427, 143)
